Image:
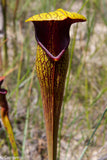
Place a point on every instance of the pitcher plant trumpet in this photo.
(5, 119)
(52, 35)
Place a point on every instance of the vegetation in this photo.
(83, 129)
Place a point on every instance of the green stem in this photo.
(4, 3)
(25, 129)
(18, 82)
(27, 115)
(14, 28)
(0, 58)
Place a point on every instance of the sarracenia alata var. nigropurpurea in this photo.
(5, 119)
(52, 35)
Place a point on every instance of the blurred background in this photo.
(85, 98)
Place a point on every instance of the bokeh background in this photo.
(83, 120)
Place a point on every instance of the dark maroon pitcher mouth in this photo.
(52, 31)
(3, 91)
(53, 36)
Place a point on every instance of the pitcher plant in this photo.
(52, 58)
(5, 119)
